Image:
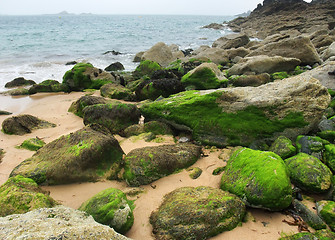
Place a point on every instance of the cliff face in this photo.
(275, 16)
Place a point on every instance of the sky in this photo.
(192, 7)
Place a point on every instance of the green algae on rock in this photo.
(283, 147)
(117, 91)
(196, 213)
(259, 178)
(22, 124)
(329, 156)
(145, 165)
(111, 207)
(84, 101)
(115, 116)
(326, 209)
(146, 68)
(85, 155)
(20, 195)
(32, 144)
(48, 86)
(194, 172)
(318, 235)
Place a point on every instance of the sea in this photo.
(38, 47)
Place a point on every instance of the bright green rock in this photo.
(32, 144)
(328, 135)
(196, 213)
(20, 195)
(111, 207)
(329, 156)
(326, 209)
(309, 173)
(146, 68)
(311, 145)
(259, 178)
(283, 147)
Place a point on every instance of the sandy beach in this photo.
(53, 108)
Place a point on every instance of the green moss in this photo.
(177, 66)
(111, 207)
(146, 68)
(76, 76)
(259, 178)
(203, 114)
(316, 144)
(331, 92)
(32, 144)
(326, 210)
(318, 235)
(194, 172)
(157, 128)
(328, 135)
(279, 75)
(329, 156)
(218, 170)
(283, 147)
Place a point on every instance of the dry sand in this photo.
(53, 107)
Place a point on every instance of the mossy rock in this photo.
(2, 153)
(20, 195)
(326, 209)
(85, 76)
(328, 135)
(19, 82)
(117, 66)
(32, 144)
(311, 145)
(18, 92)
(117, 91)
(111, 207)
(206, 76)
(194, 172)
(148, 164)
(48, 86)
(146, 68)
(283, 147)
(259, 178)
(22, 124)
(329, 156)
(309, 173)
(85, 155)
(218, 171)
(4, 113)
(157, 128)
(279, 75)
(196, 213)
(84, 101)
(318, 235)
(134, 130)
(114, 116)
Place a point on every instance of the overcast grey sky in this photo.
(195, 7)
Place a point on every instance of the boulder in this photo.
(84, 101)
(114, 116)
(18, 82)
(5, 113)
(117, 91)
(321, 73)
(215, 55)
(326, 210)
(318, 235)
(259, 178)
(205, 76)
(329, 52)
(298, 47)
(138, 57)
(155, 127)
(48, 86)
(55, 223)
(311, 145)
(251, 80)
(237, 52)
(148, 164)
(234, 40)
(196, 213)
(263, 64)
(309, 173)
(240, 116)
(32, 144)
(283, 147)
(111, 207)
(117, 66)
(146, 68)
(85, 76)
(20, 195)
(329, 156)
(85, 155)
(20, 91)
(160, 53)
(22, 124)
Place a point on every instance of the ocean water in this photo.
(37, 47)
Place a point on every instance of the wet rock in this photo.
(71, 63)
(32, 144)
(18, 82)
(48, 86)
(146, 68)
(5, 112)
(117, 66)
(196, 213)
(117, 91)
(318, 235)
(84, 101)
(283, 147)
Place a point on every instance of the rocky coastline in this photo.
(230, 141)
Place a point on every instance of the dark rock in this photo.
(187, 52)
(196, 213)
(117, 66)
(112, 52)
(145, 165)
(318, 235)
(71, 63)
(84, 101)
(216, 26)
(48, 86)
(85, 155)
(164, 73)
(22, 124)
(5, 112)
(311, 145)
(32, 144)
(117, 91)
(17, 82)
(146, 68)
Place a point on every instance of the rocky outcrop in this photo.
(85, 155)
(258, 178)
(231, 41)
(20, 195)
(55, 223)
(18, 82)
(196, 213)
(241, 116)
(264, 64)
(145, 165)
(84, 101)
(22, 124)
(111, 207)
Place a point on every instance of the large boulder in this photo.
(240, 116)
(84, 76)
(258, 178)
(321, 73)
(215, 55)
(148, 164)
(205, 76)
(22, 124)
(309, 173)
(146, 68)
(114, 116)
(330, 52)
(234, 40)
(48, 86)
(160, 53)
(85, 155)
(298, 47)
(18, 82)
(111, 207)
(20, 195)
(55, 223)
(117, 91)
(264, 64)
(196, 213)
(78, 106)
